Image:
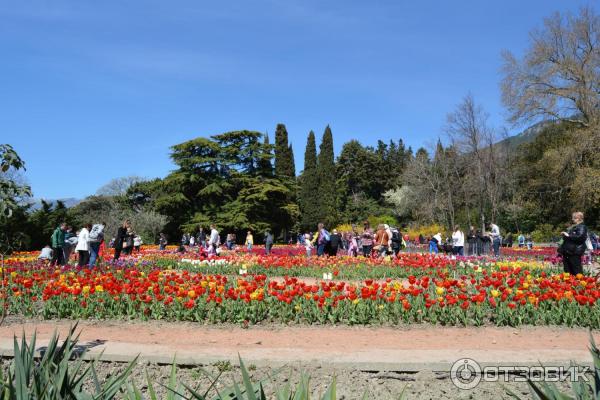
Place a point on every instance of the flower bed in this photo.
(412, 289)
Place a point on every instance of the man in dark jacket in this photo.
(121, 236)
(268, 241)
(396, 241)
(573, 245)
(335, 240)
(58, 241)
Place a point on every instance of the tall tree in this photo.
(327, 194)
(11, 191)
(470, 133)
(284, 160)
(309, 185)
(292, 163)
(265, 168)
(558, 78)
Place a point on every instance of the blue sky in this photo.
(93, 90)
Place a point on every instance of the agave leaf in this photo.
(19, 368)
(114, 384)
(195, 395)
(596, 357)
(302, 390)
(247, 382)
(330, 393)
(151, 390)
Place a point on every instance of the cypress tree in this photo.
(326, 175)
(309, 185)
(284, 163)
(292, 161)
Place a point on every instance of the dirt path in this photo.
(402, 349)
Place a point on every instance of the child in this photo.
(308, 245)
(46, 254)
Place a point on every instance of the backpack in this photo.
(396, 236)
(97, 233)
(326, 235)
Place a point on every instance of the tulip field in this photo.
(285, 287)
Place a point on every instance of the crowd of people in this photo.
(380, 242)
(86, 242)
(384, 240)
(475, 243)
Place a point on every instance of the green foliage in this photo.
(43, 221)
(326, 197)
(11, 192)
(365, 173)
(61, 373)
(309, 186)
(226, 179)
(265, 168)
(544, 233)
(284, 155)
(54, 375)
(544, 187)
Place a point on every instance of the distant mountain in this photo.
(527, 136)
(69, 202)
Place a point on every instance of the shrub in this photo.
(544, 233)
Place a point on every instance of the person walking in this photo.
(496, 238)
(472, 241)
(83, 246)
(95, 239)
(396, 241)
(458, 242)
(335, 242)
(249, 240)
(321, 238)
(434, 243)
(229, 241)
(214, 241)
(573, 245)
(529, 242)
(308, 245)
(381, 240)
(521, 240)
(128, 242)
(162, 242)
(120, 239)
(201, 238)
(58, 241)
(367, 239)
(70, 243)
(352, 250)
(137, 242)
(268, 241)
(388, 230)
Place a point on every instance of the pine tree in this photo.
(309, 185)
(284, 162)
(327, 193)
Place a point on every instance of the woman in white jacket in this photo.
(458, 241)
(83, 247)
